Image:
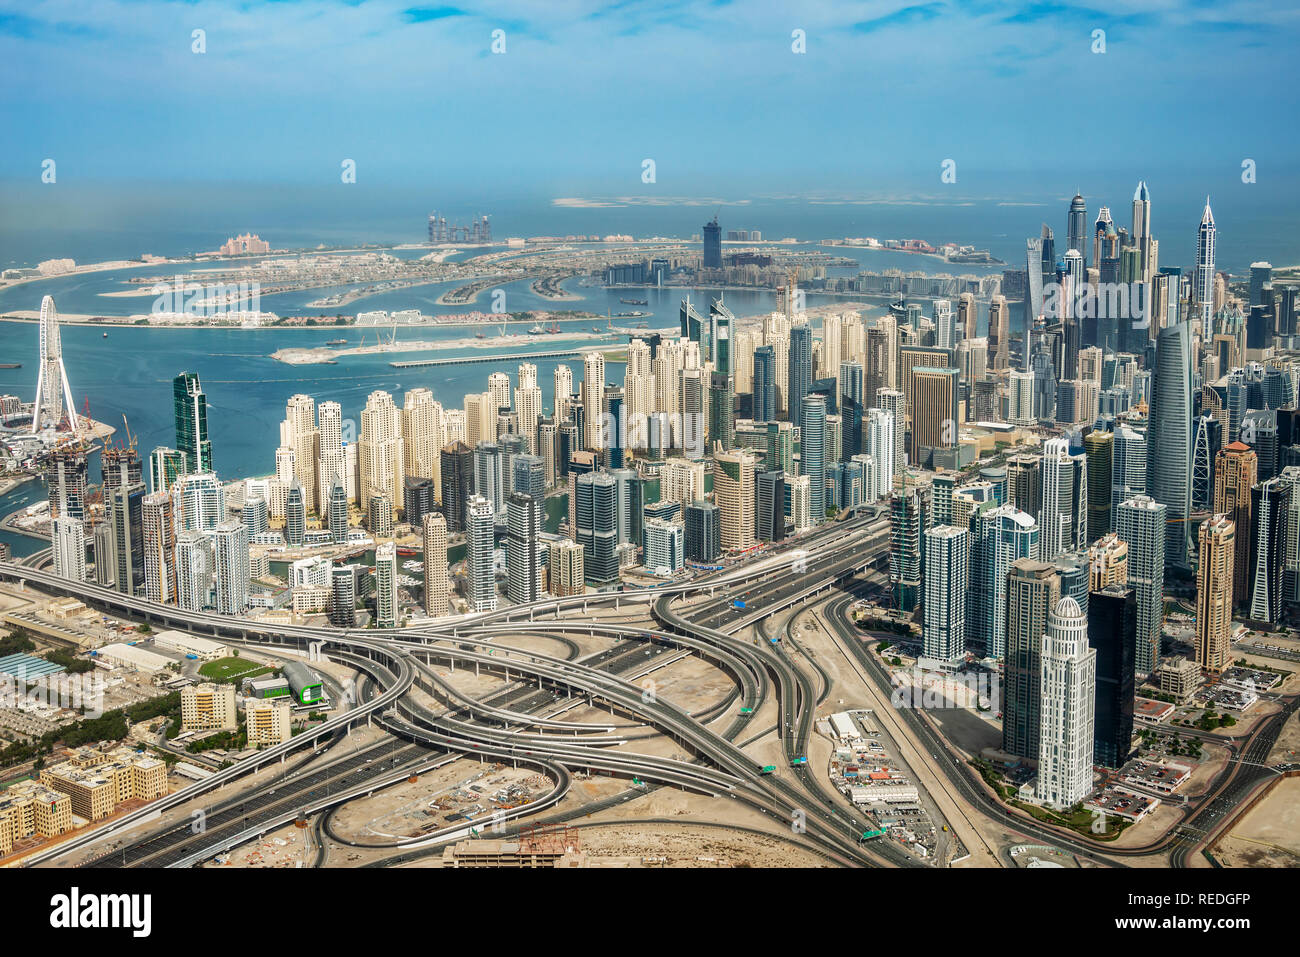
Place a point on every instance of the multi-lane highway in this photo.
(528, 720)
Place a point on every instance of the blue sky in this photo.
(585, 91)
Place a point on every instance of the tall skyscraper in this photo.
(895, 403)
(934, 411)
(812, 452)
(457, 483)
(593, 398)
(480, 528)
(1169, 461)
(614, 436)
(230, 568)
(66, 482)
(159, 548)
(703, 532)
(124, 515)
(769, 518)
(946, 569)
(1203, 279)
(380, 450)
(422, 438)
(910, 515)
(295, 517)
(1033, 589)
(194, 559)
(386, 614)
(852, 408)
(332, 467)
(1142, 229)
(190, 408)
(343, 596)
(567, 576)
(1236, 469)
(337, 513)
(1140, 522)
(1064, 510)
(712, 245)
(999, 334)
(166, 468)
(999, 349)
(1112, 633)
(1076, 229)
(1214, 585)
(998, 537)
(596, 514)
(1066, 724)
(880, 434)
(1128, 466)
(733, 490)
(523, 548)
(490, 475)
(1270, 508)
(1108, 562)
(298, 431)
(800, 368)
(722, 389)
(1100, 229)
(68, 547)
(437, 583)
(1097, 447)
(379, 516)
(765, 404)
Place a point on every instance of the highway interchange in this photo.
(726, 619)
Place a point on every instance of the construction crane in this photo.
(130, 439)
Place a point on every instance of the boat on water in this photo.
(11, 365)
(635, 302)
(337, 342)
(536, 331)
(106, 335)
(480, 335)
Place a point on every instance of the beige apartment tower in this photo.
(1236, 470)
(1107, 562)
(567, 574)
(733, 493)
(208, 707)
(437, 584)
(268, 720)
(1214, 591)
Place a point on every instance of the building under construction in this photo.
(440, 231)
